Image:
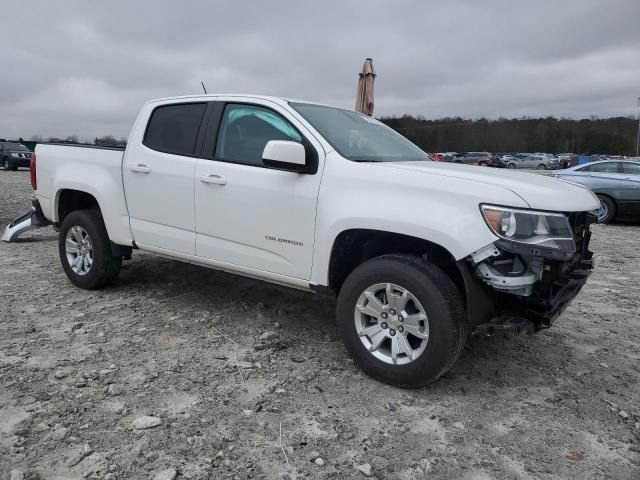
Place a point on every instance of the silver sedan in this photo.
(615, 182)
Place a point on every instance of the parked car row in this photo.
(541, 161)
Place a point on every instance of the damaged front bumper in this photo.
(530, 288)
(29, 221)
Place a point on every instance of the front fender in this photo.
(441, 210)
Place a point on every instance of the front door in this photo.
(158, 174)
(248, 214)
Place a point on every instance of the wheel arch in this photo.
(355, 246)
(68, 200)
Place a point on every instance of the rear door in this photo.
(248, 214)
(158, 174)
(630, 190)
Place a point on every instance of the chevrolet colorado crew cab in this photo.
(419, 254)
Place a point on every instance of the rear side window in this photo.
(174, 128)
(632, 168)
(608, 167)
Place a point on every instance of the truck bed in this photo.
(86, 168)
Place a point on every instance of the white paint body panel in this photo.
(92, 170)
(277, 225)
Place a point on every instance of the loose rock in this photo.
(365, 469)
(59, 434)
(114, 389)
(268, 335)
(145, 422)
(78, 457)
(168, 474)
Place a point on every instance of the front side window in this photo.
(174, 128)
(607, 167)
(357, 137)
(245, 131)
(632, 168)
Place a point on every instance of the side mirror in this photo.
(284, 154)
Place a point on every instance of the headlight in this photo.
(541, 230)
(15, 155)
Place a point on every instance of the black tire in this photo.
(441, 302)
(511, 165)
(611, 209)
(542, 166)
(105, 267)
(483, 164)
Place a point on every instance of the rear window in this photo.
(174, 128)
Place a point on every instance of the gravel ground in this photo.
(180, 370)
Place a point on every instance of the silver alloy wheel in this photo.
(391, 323)
(602, 212)
(79, 250)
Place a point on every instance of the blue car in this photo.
(615, 182)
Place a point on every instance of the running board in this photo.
(29, 221)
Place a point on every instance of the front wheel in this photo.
(402, 320)
(511, 165)
(607, 210)
(85, 250)
(6, 165)
(542, 166)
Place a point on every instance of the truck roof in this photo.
(278, 100)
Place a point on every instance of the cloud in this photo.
(85, 68)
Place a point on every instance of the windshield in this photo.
(15, 146)
(358, 137)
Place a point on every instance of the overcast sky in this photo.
(85, 68)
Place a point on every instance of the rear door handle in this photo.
(140, 168)
(215, 179)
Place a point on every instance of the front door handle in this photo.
(215, 179)
(139, 168)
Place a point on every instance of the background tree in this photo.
(613, 136)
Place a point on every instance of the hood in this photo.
(538, 191)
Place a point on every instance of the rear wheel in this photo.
(402, 320)
(85, 250)
(483, 164)
(511, 165)
(607, 210)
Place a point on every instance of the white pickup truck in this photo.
(419, 254)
